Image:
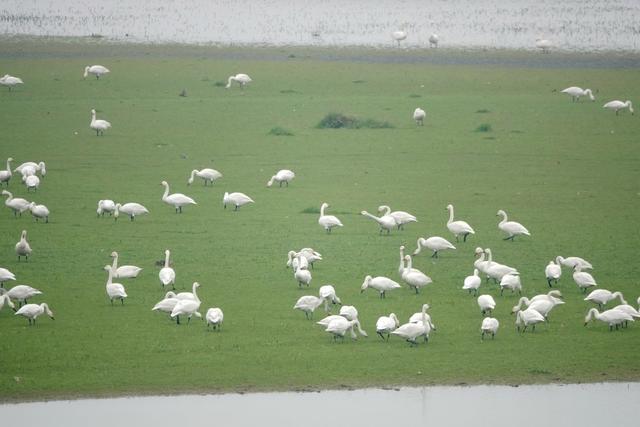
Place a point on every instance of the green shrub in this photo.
(485, 127)
(280, 131)
(337, 121)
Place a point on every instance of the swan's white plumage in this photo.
(576, 92)
(472, 283)
(5, 175)
(106, 206)
(98, 125)
(328, 221)
(123, 271)
(433, 243)
(511, 228)
(32, 311)
(241, 79)
(214, 318)
(23, 249)
(177, 200)
(16, 204)
(386, 222)
(416, 279)
(380, 283)
(419, 115)
(401, 217)
(618, 105)
(489, 325)
(458, 228)
(486, 303)
(167, 274)
(131, 209)
(282, 176)
(96, 70)
(114, 290)
(236, 199)
(207, 174)
(10, 81)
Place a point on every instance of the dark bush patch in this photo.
(483, 111)
(280, 131)
(337, 121)
(219, 84)
(485, 127)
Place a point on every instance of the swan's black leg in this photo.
(465, 237)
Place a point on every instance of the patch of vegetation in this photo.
(311, 210)
(415, 95)
(280, 131)
(359, 81)
(483, 111)
(219, 84)
(338, 121)
(289, 91)
(485, 127)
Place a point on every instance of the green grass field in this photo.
(569, 171)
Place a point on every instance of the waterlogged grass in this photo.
(568, 171)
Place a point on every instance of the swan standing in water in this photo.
(10, 81)
(17, 204)
(98, 125)
(416, 279)
(114, 290)
(5, 175)
(512, 228)
(167, 275)
(381, 284)
(611, 317)
(472, 283)
(574, 261)
(308, 305)
(411, 331)
(132, 209)
(328, 221)
(618, 105)
(552, 272)
(124, 271)
(32, 311)
(528, 317)
(23, 249)
(386, 222)
(401, 217)
(96, 70)
(458, 227)
(214, 318)
(207, 174)
(241, 79)
(603, 296)
(283, 176)
(583, 279)
(386, 325)
(187, 307)
(106, 206)
(237, 199)
(486, 303)
(435, 243)
(489, 325)
(177, 200)
(433, 40)
(419, 115)
(576, 92)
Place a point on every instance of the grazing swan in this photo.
(576, 92)
(401, 217)
(458, 227)
(528, 317)
(435, 243)
(511, 281)
(96, 70)
(22, 293)
(544, 45)
(241, 79)
(574, 261)
(106, 206)
(132, 209)
(237, 199)
(189, 295)
(543, 304)
(489, 325)
(167, 275)
(22, 247)
(5, 175)
(309, 255)
(603, 296)
(338, 327)
(512, 228)
(328, 294)
(187, 307)
(626, 308)
(583, 279)
(114, 290)
(4, 299)
(303, 276)
(349, 312)
(32, 311)
(472, 283)
(207, 174)
(552, 272)
(611, 317)
(496, 270)
(177, 200)
(167, 304)
(419, 115)
(214, 318)
(10, 81)
(308, 305)
(98, 125)
(30, 168)
(618, 105)
(416, 279)
(5, 275)
(399, 35)
(284, 175)
(324, 322)
(124, 271)
(486, 304)
(328, 221)
(433, 40)
(553, 296)
(386, 325)
(32, 182)
(411, 331)
(296, 260)
(17, 204)
(381, 284)
(386, 222)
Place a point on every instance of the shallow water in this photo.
(576, 25)
(613, 404)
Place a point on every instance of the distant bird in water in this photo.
(618, 105)
(577, 92)
(544, 45)
(98, 125)
(241, 79)
(96, 70)
(419, 115)
(433, 40)
(399, 35)
(10, 81)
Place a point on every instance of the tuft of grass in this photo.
(311, 210)
(415, 95)
(483, 111)
(485, 127)
(289, 91)
(219, 84)
(280, 131)
(338, 121)
(359, 81)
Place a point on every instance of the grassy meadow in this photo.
(495, 137)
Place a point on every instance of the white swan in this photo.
(106, 206)
(309, 254)
(177, 200)
(411, 331)
(511, 281)
(401, 267)
(124, 271)
(553, 296)
(167, 304)
(528, 317)
(96, 70)
(618, 105)
(380, 283)
(295, 261)
(30, 168)
(284, 175)
(16, 204)
(552, 272)
(187, 307)
(434, 243)
(386, 325)
(324, 322)
(574, 261)
(189, 295)
(401, 217)
(433, 40)
(114, 290)
(512, 228)
(603, 296)
(5, 175)
(22, 293)
(626, 308)
(308, 304)
(583, 279)
(480, 263)
(237, 199)
(416, 279)
(10, 81)
(303, 276)
(496, 270)
(386, 222)
(5, 275)
(32, 182)
(489, 325)
(544, 45)
(418, 317)
(328, 294)
(418, 115)
(23, 249)
(32, 311)
(241, 79)
(167, 274)
(214, 318)
(458, 227)
(399, 35)
(132, 209)
(98, 125)
(207, 174)
(611, 317)
(349, 312)
(472, 283)
(486, 304)
(4, 299)
(338, 327)
(576, 92)
(543, 304)
(328, 221)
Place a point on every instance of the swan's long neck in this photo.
(402, 257)
(618, 295)
(110, 278)
(322, 209)
(45, 308)
(231, 79)
(9, 166)
(114, 266)
(193, 174)
(504, 217)
(630, 105)
(450, 215)
(409, 263)
(386, 209)
(93, 117)
(488, 252)
(523, 300)
(166, 191)
(166, 258)
(86, 71)
(365, 213)
(588, 92)
(8, 194)
(360, 330)
(195, 294)
(592, 313)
